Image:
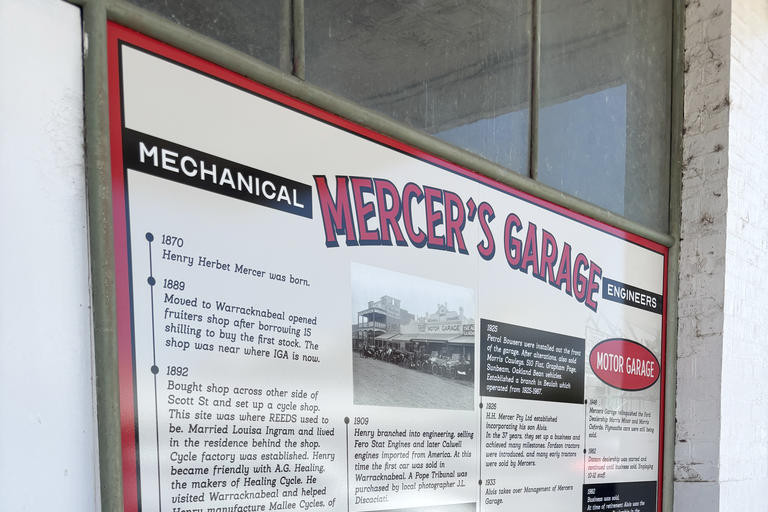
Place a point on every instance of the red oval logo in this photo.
(624, 364)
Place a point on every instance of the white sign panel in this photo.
(313, 316)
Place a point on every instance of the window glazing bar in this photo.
(299, 55)
(285, 48)
(533, 108)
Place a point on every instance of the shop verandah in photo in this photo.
(386, 327)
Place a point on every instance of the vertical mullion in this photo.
(285, 44)
(533, 110)
(673, 279)
(298, 38)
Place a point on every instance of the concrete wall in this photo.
(721, 460)
(47, 432)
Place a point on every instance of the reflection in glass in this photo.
(457, 70)
(604, 113)
(604, 117)
(595, 158)
(249, 26)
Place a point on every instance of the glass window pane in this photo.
(605, 104)
(253, 27)
(454, 69)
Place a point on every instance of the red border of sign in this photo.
(115, 35)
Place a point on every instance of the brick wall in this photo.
(744, 424)
(702, 254)
(721, 460)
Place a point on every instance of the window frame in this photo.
(289, 78)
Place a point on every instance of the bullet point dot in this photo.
(151, 281)
(155, 369)
(346, 419)
(150, 236)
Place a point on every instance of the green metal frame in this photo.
(533, 108)
(289, 79)
(675, 213)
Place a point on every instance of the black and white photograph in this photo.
(413, 341)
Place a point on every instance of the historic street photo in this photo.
(413, 341)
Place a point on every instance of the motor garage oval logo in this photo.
(624, 364)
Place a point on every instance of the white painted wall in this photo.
(47, 418)
(744, 426)
(721, 460)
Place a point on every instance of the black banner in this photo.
(165, 159)
(620, 497)
(629, 295)
(519, 362)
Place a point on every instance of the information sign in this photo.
(313, 316)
